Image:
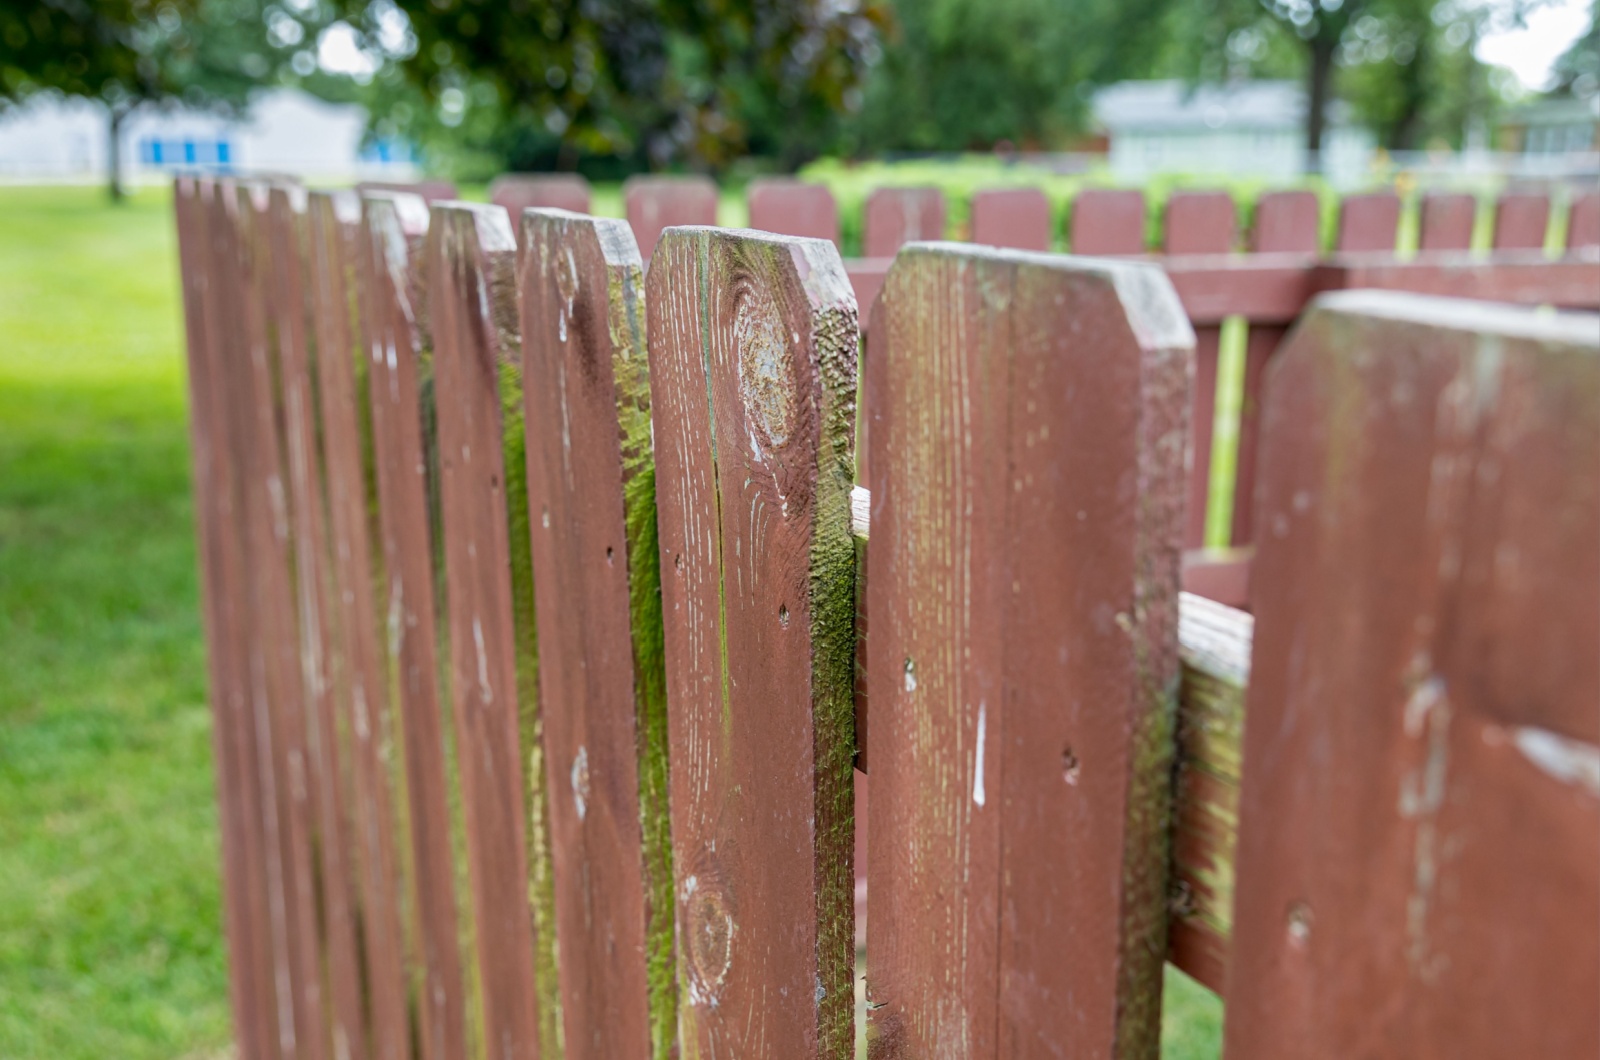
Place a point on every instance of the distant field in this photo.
(110, 941)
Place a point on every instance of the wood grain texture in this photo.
(1214, 649)
(1520, 220)
(401, 375)
(207, 277)
(471, 262)
(1446, 220)
(1287, 222)
(793, 208)
(1369, 223)
(1027, 502)
(657, 203)
(752, 363)
(1419, 850)
(1214, 646)
(361, 680)
(894, 217)
(591, 481)
(286, 230)
(1011, 217)
(1108, 221)
(1200, 222)
(290, 785)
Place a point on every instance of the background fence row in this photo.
(1097, 221)
(537, 592)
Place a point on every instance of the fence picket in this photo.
(1287, 222)
(1446, 221)
(1027, 498)
(207, 314)
(289, 785)
(1369, 222)
(361, 682)
(1108, 221)
(894, 217)
(1011, 217)
(286, 224)
(393, 306)
(793, 208)
(1423, 689)
(591, 479)
(752, 363)
(657, 203)
(1520, 220)
(471, 262)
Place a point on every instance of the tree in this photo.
(1577, 71)
(659, 81)
(131, 54)
(1410, 72)
(961, 74)
(1425, 44)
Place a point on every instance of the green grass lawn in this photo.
(110, 936)
(109, 909)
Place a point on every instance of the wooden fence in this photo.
(536, 589)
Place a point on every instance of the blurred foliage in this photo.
(1577, 71)
(964, 74)
(1406, 65)
(645, 83)
(1410, 73)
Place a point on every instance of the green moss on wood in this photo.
(631, 375)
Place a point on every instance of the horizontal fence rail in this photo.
(537, 583)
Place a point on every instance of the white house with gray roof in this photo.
(1248, 128)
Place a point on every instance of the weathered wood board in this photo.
(205, 244)
(307, 524)
(655, 203)
(1108, 221)
(277, 689)
(1419, 849)
(471, 262)
(1214, 647)
(1011, 217)
(400, 377)
(793, 208)
(361, 681)
(894, 217)
(1200, 222)
(591, 487)
(1446, 220)
(1027, 498)
(1520, 220)
(753, 345)
(1287, 222)
(1369, 223)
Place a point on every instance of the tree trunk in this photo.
(114, 153)
(1319, 77)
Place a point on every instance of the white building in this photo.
(62, 139)
(1247, 128)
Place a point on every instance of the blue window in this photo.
(155, 152)
(224, 153)
(188, 152)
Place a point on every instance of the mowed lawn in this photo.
(110, 937)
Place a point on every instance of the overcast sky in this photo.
(1528, 52)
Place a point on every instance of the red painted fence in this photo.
(536, 593)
